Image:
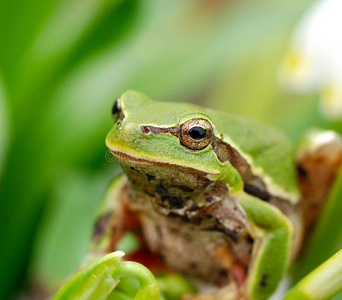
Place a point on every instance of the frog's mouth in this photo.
(129, 159)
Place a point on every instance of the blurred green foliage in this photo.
(63, 63)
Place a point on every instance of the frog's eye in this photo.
(196, 134)
(116, 110)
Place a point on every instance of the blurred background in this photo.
(64, 62)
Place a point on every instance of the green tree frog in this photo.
(213, 196)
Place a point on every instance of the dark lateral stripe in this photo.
(255, 191)
(253, 184)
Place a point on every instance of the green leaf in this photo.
(98, 280)
(94, 281)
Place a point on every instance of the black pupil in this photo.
(115, 108)
(197, 132)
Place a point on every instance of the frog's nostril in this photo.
(116, 107)
(145, 129)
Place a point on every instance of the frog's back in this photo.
(267, 149)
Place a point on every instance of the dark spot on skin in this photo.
(263, 281)
(185, 218)
(162, 257)
(223, 273)
(162, 205)
(208, 199)
(250, 239)
(232, 234)
(246, 270)
(186, 189)
(208, 216)
(193, 265)
(174, 201)
(161, 190)
(192, 208)
(235, 208)
(255, 191)
(302, 172)
(100, 226)
(173, 215)
(188, 237)
(150, 177)
(134, 169)
(149, 193)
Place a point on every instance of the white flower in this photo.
(314, 61)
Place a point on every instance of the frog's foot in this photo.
(318, 159)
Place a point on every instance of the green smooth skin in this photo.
(323, 283)
(266, 149)
(274, 251)
(98, 280)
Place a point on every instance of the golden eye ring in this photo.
(196, 134)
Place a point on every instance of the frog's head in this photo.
(176, 136)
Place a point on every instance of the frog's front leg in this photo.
(271, 233)
(109, 225)
(118, 227)
(271, 252)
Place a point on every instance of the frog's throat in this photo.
(124, 157)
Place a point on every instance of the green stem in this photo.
(323, 283)
(148, 289)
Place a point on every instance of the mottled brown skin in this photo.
(189, 223)
(189, 238)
